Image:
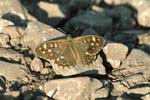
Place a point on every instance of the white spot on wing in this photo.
(62, 57)
(44, 46)
(49, 50)
(43, 52)
(55, 45)
(92, 44)
(94, 39)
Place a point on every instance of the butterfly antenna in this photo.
(61, 30)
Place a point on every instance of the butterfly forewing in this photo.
(91, 44)
(87, 47)
(58, 51)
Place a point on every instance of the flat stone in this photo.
(95, 68)
(79, 88)
(37, 33)
(12, 71)
(134, 69)
(115, 53)
(141, 89)
(10, 54)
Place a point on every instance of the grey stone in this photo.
(115, 53)
(135, 68)
(37, 33)
(12, 71)
(79, 88)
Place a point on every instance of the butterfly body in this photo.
(79, 51)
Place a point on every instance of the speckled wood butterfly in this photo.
(71, 51)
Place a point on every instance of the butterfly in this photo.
(71, 52)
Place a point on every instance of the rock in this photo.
(139, 90)
(4, 40)
(79, 88)
(144, 42)
(12, 71)
(99, 22)
(118, 2)
(12, 95)
(134, 69)
(115, 53)
(14, 31)
(4, 23)
(96, 68)
(144, 39)
(14, 11)
(37, 33)
(142, 7)
(12, 55)
(55, 12)
(36, 65)
(145, 97)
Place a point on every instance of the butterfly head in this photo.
(69, 38)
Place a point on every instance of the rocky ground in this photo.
(122, 68)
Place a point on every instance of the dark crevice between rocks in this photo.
(9, 60)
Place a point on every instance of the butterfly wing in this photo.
(57, 51)
(87, 47)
